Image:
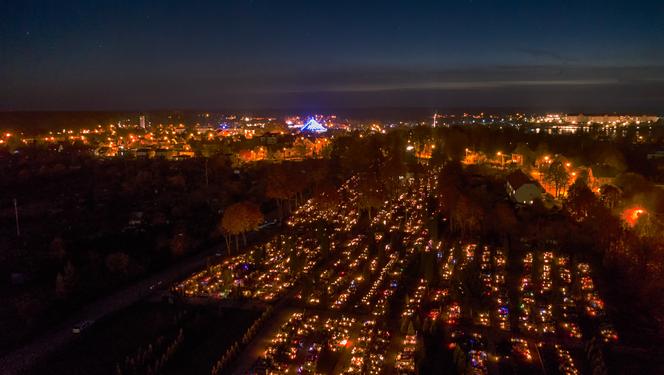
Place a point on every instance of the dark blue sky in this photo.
(558, 55)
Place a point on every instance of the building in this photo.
(269, 138)
(609, 119)
(141, 121)
(313, 126)
(517, 159)
(657, 155)
(522, 189)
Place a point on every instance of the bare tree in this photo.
(557, 175)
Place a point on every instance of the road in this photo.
(20, 360)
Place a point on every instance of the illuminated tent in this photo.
(313, 126)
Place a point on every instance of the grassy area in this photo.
(98, 349)
(208, 331)
(212, 332)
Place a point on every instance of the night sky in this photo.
(137, 55)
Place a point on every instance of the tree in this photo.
(65, 281)
(455, 144)
(610, 196)
(393, 168)
(437, 155)
(60, 286)
(557, 175)
(542, 150)
(238, 219)
(584, 176)
(297, 262)
(178, 244)
(647, 227)
(300, 148)
(252, 219)
(613, 157)
(504, 218)
(632, 184)
(118, 263)
(327, 198)
(231, 224)
(317, 172)
(581, 201)
(57, 249)
(299, 181)
(279, 187)
(28, 307)
(449, 186)
(467, 216)
(371, 195)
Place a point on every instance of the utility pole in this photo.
(18, 229)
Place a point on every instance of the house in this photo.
(270, 138)
(522, 189)
(657, 155)
(517, 159)
(163, 153)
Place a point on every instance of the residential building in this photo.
(522, 189)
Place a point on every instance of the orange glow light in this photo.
(631, 215)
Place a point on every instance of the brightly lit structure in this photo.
(313, 126)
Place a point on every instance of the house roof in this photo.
(518, 178)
